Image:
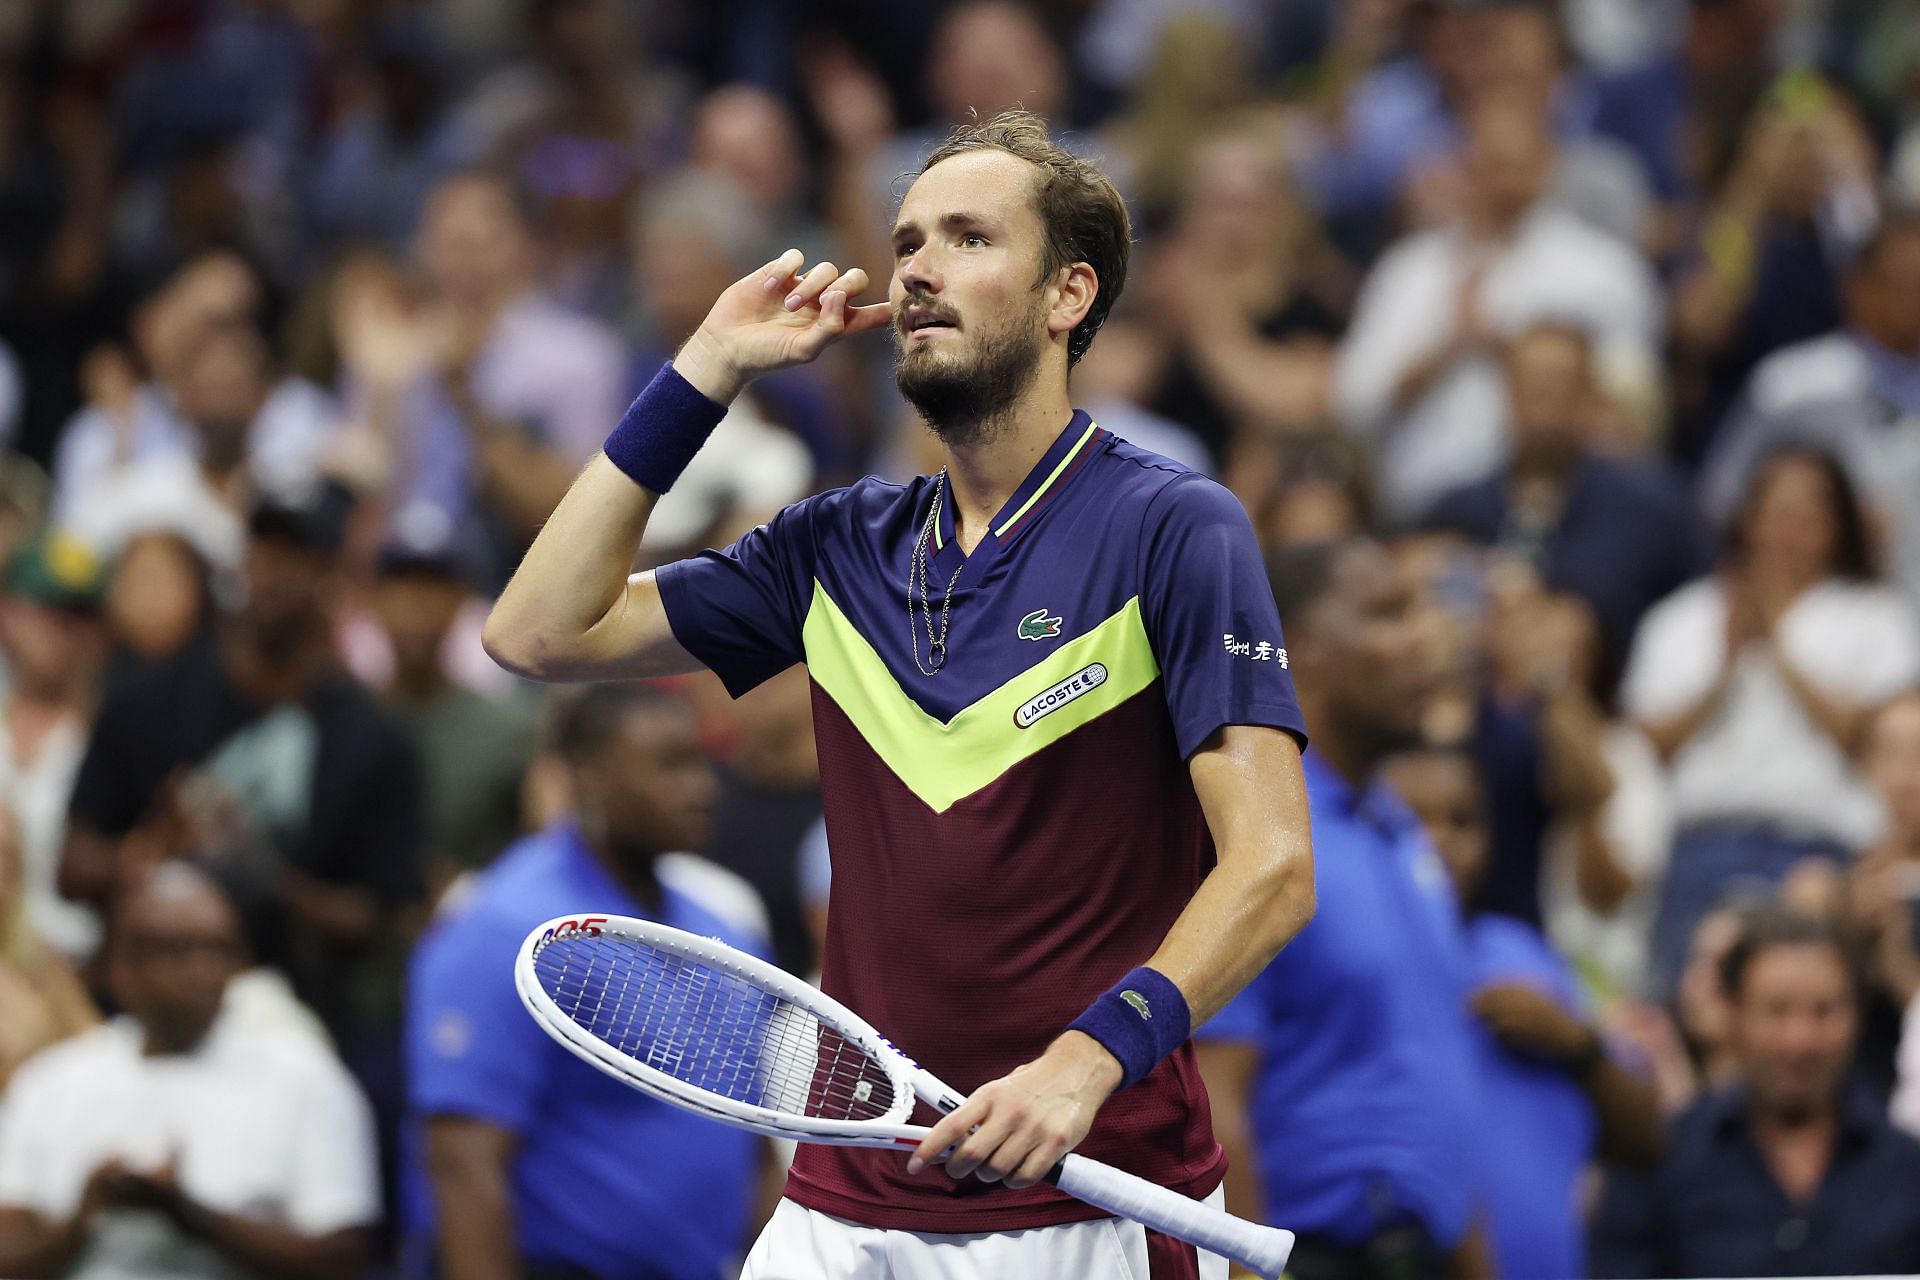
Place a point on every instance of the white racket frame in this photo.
(1262, 1249)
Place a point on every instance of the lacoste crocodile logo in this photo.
(1038, 626)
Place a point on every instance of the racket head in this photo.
(706, 1027)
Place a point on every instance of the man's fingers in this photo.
(875, 315)
(812, 285)
(948, 1132)
(1034, 1168)
(776, 275)
(978, 1148)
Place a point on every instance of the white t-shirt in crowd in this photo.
(1554, 267)
(268, 1126)
(1760, 757)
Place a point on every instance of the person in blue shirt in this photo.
(1796, 1170)
(529, 1163)
(1555, 1098)
(1344, 1078)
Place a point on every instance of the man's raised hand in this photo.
(773, 318)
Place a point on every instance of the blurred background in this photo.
(1604, 313)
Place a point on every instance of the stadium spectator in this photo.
(373, 168)
(1798, 200)
(496, 394)
(1610, 832)
(530, 1163)
(1538, 733)
(1555, 1098)
(54, 647)
(1681, 109)
(1753, 684)
(42, 999)
(1855, 392)
(1417, 374)
(240, 433)
(1620, 533)
(171, 1141)
(161, 597)
(474, 748)
(1793, 1171)
(750, 137)
(1328, 1127)
(200, 385)
(251, 752)
(1246, 330)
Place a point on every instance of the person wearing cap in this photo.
(54, 646)
(474, 748)
(251, 751)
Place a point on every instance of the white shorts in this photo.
(805, 1244)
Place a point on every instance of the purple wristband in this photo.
(662, 430)
(1140, 1019)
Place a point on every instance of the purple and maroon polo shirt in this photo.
(1012, 834)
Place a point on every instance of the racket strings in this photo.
(712, 1029)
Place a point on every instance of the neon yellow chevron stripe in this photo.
(1047, 484)
(943, 763)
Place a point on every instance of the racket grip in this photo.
(1262, 1250)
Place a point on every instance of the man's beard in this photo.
(962, 400)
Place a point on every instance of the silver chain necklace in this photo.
(917, 576)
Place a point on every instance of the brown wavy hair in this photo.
(1083, 214)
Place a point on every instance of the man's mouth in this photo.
(921, 322)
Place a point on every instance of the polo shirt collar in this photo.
(1048, 478)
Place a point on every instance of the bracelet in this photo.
(1139, 1020)
(662, 430)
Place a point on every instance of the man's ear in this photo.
(1076, 288)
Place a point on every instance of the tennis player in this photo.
(1059, 745)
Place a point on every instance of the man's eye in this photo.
(904, 250)
(974, 241)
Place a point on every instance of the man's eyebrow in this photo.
(951, 221)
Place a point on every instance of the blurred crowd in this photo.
(1604, 315)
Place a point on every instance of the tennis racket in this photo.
(698, 1024)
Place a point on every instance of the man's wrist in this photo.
(709, 370)
(1139, 1021)
(1104, 1071)
(663, 429)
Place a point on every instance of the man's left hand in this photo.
(1014, 1130)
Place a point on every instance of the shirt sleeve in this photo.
(1210, 616)
(741, 611)
(1675, 657)
(28, 1150)
(336, 1175)
(471, 1048)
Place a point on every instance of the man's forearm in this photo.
(1260, 891)
(1235, 924)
